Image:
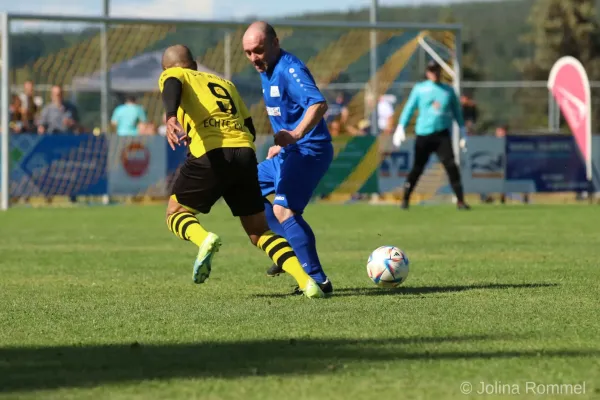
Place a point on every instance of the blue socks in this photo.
(299, 234)
(272, 219)
(302, 239)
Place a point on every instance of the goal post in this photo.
(4, 113)
(99, 62)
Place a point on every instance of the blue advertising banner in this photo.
(482, 165)
(70, 165)
(395, 166)
(58, 165)
(544, 163)
(175, 158)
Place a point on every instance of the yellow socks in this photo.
(186, 226)
(280, 251)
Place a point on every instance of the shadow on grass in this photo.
(421, 290)
(35, 368)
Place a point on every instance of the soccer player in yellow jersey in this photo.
(206, 112)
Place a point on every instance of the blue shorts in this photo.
(293, 175)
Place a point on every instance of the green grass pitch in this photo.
(98, 303)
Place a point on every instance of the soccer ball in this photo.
(387, 266)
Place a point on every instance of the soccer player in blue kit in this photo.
(303, 150)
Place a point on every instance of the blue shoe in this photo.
(202, 266)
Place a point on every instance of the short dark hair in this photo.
(433, 66)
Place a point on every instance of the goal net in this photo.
(65, 79)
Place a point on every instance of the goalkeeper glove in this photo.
(399, 136)
(463, 139)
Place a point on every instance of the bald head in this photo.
(261, 28)
(178, 56)
(261, 45)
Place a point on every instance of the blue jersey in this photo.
(289, 90)
(438, 107)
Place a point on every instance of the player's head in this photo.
(178, 56)
(56, 93)
(433, 71)
(261, 45)
(501, 130)
(28, 86)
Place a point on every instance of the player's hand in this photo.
(174, 131)
(462, 143)
(273, 151)
(399, 136)
(284, 138)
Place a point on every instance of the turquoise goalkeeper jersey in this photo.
(438, 106)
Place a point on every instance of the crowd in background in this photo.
(29, 114)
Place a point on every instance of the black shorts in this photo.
(438, 142)
(231, 173)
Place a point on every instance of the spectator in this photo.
(470, 113)
(337, 110)
(30, 106)
(501, 132)
(363, 128)
(335, 128)
(385, 114)
(59, 116)
(129, 118)
(16, 115)
(148, 128)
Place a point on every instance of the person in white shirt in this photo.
(385, 113)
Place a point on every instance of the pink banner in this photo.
(570, 86)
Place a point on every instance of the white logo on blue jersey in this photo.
(275, 91)
(274, 111)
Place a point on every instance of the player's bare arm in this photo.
(313, 115)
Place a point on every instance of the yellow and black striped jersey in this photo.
(211, 111)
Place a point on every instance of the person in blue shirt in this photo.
(438, 107)
(127, 117)
(303, 150)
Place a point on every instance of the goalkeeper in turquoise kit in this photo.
(438, 108)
